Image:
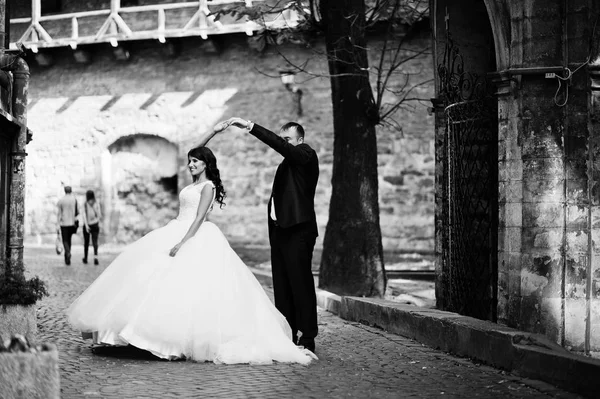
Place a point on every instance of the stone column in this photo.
(594, 189)
(535, 230)
(581, 177)
(577, 243)
(510, 199)
(545, 179)
(593, 283)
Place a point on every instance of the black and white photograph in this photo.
(299, 199)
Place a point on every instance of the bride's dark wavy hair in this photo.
(212, 172)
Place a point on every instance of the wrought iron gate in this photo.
(4, 180)
(470, 190)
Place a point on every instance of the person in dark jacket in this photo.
(292, 226)
(91, 225)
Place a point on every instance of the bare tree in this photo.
(352, 260)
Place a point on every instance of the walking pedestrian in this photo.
(91, 225)
(67, 213)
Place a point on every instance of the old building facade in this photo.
(517, 97)
(122, 125)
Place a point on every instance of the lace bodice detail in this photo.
(189, 198)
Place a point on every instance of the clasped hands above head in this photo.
(235, 121)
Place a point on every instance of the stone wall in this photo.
(547, 168)
(142, 182)
(547, 261)
(78, 111)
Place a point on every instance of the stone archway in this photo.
(139, 182)
(466, 152)
(499, 17)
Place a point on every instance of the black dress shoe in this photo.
(308, 343)
(84, 260)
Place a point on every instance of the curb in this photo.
(527, 354)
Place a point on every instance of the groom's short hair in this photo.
(297, 126)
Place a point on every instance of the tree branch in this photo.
(392, 59)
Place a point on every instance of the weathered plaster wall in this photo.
(78, 111)
(546, 247)
(593, 279)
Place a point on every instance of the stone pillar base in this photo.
(18, 319)
(29, 375)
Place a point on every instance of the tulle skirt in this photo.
(203, 304)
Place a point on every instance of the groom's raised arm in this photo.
(298, 154)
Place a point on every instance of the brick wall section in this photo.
(77, 111)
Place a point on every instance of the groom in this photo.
(292, 226)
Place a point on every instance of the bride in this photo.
(182, 292)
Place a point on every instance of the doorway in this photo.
(468, 228)
(140, 186)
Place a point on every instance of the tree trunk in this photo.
(352, 260)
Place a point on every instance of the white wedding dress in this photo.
(203, 304)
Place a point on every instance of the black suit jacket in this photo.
(295, 180)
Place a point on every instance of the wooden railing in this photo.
(115, 29)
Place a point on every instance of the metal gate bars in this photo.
(470, 190)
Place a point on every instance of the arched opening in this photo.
(467, 128)
(140, 178)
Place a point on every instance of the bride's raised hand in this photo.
(219, 127)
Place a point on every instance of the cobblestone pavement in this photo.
(356, 361)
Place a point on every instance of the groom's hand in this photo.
(239, 122)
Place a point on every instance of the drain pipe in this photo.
(20, 90)
(16, 208)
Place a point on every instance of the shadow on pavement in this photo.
(125, 352)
